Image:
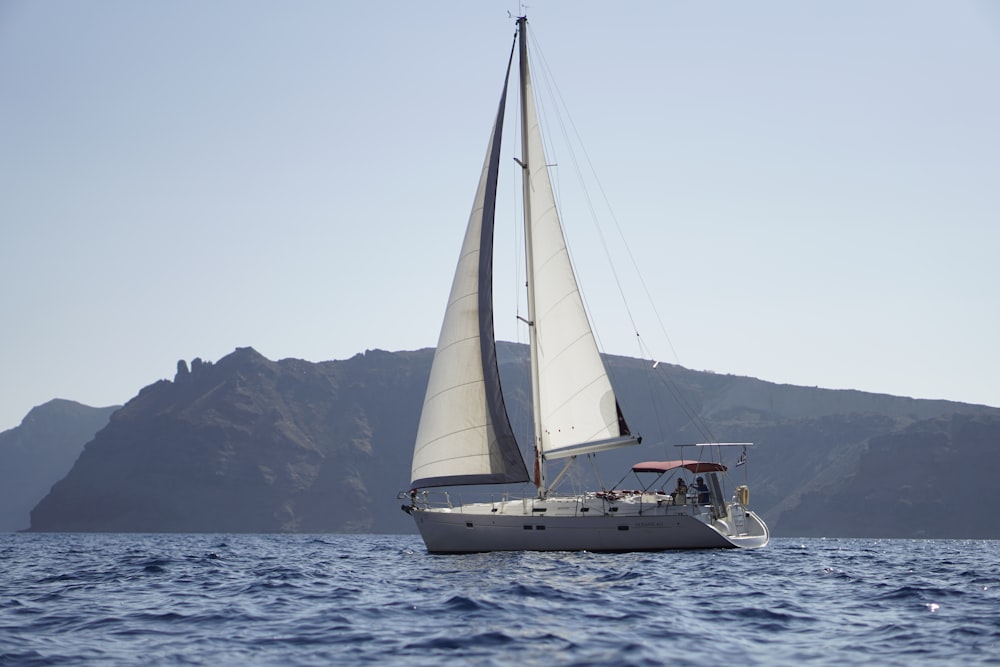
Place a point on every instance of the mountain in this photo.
(930, 479)
(39, 452)
(248, 445)
(252, 445)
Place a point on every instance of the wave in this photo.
(311, 600)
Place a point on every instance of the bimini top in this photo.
(666, 466)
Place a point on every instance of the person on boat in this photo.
(680, 491)
(699, 486)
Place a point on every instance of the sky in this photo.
(810, 191)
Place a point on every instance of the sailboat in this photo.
(465, 436)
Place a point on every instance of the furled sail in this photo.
(464, 435)
(578, 411)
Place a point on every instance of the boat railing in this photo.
(426, 499)
(439, 498)
(738, 513)
(658, 500)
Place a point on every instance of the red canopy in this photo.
(665, 466)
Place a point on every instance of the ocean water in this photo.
(109, 599)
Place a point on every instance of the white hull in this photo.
(643, 522)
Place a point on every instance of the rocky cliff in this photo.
(252, 445)
(932, 479)
(244, 445)
(39, 452)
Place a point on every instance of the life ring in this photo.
(743, 494)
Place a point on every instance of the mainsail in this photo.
(576, 406)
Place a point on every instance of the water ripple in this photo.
(79, 599)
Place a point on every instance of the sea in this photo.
(168, 599)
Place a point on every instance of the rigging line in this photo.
(699, 424)
(562, 115)
(554, 94)
(543, 79)
(628, 250)
(546, 81)
(665, 377)
(618, 228)
(597, 471)
(562, 118)
(557, 95)
(658, 412)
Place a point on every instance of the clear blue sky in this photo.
(811, 190)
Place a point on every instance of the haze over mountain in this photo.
(39, 452)
(252, 445)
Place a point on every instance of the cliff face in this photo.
(244, 445)
(251, 445)
(39, 452)
(933, 478)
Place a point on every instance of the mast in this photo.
(536, 411)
